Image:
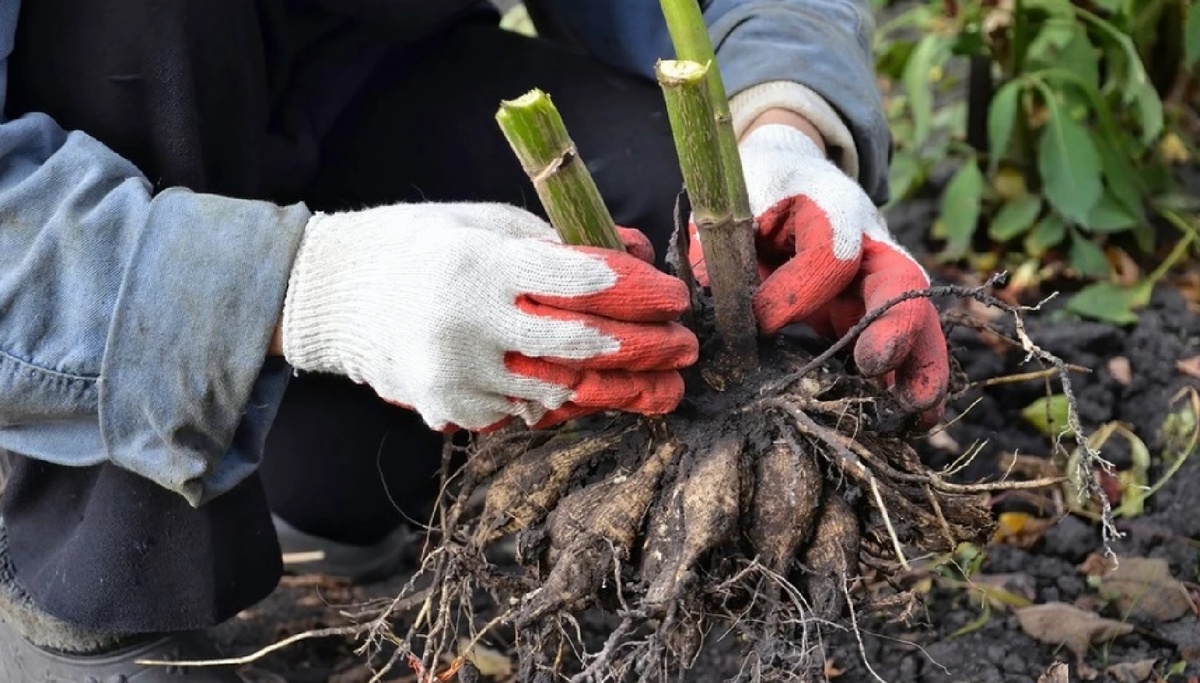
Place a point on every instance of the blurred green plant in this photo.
(1062, 151)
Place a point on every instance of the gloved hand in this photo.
(826, 257)
(474, 314)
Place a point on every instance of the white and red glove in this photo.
(474, 314)
(826, 257)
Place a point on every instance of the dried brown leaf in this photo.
(1095, 564)
(1145, 586)
(1058, 623)
(1189, 366)
(1128, 273)
(1058, 672)
(831, 669)
(490, 663)
(1031, 466)
(1021, 529)
(1188, 285)
(1121, 370)
(1019, 585)
(1132, 672)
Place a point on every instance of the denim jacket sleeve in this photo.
(133, 325)
(822, 45)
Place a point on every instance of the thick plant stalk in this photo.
(689, 36)
(728, 243)
(538, 136)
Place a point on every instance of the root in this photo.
(591, 529)
(529, 487)
(749, 513)
(830, 560)
(700, 514)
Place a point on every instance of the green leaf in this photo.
(1070, 166)
(1110, 302)
(1183, 202)
(1120, 176)
(1191, 40)
(1145, 239)
(1082, 58)
(1138, 90)
(1002, 117)
(1150, 111)
(1050, 41)
(1047, 234)
(905, 174)
(1057, 9)
(891, 60)
(1048, 415)
(1135, 490)
(1108, 5)
(929, 52)
(1110, 216)
(1015, 218)
(1088, 258)
(968, 42)
(960, 206)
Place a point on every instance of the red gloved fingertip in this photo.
(642, 293)
(636, 243)
(648, 394)
(887, 341)
(924, 377)
(887, 273)
(930, 417)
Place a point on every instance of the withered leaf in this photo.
(1145, 586)
(1058, 623)
(1133, 672)
(1121, 370)
(490, 663)
(1021, 529)
(1189, 366)
(1057, 672)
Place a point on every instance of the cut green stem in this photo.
(690, 113)
(539, 138)
(689, 35)
(727, 242)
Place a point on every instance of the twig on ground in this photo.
(1021, 377)
(259, 654)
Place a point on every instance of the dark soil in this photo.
(922, 649)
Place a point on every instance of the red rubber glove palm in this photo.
(826, 257)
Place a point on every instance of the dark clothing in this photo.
(106, 549)
(103, 267)
(225, 96)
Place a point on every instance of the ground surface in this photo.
(1135, 372)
